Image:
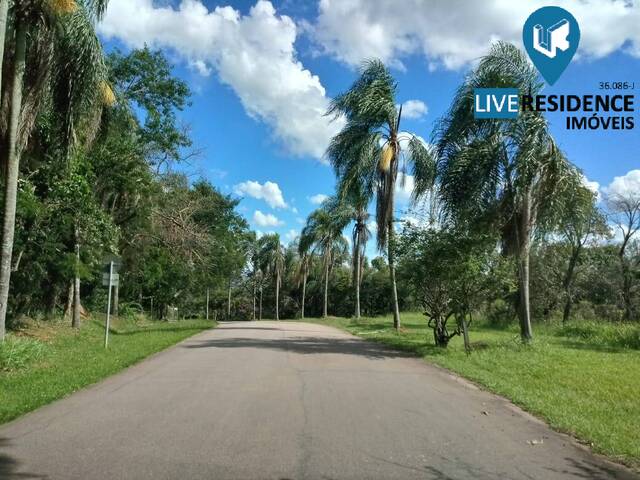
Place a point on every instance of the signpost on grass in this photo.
(110, 279)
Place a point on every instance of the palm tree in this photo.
(503, 174)
(272, 258)
(371, 149)
(323, 233)
(62, 45)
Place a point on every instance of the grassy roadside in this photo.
(583, 379)
(46, 362)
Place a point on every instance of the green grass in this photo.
(583, 379)
(45, 362)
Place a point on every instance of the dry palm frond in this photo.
(62, 7)
(108, 97)
(385, 158)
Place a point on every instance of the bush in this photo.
(601, 334)
(18, 352)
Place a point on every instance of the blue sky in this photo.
(262, 77)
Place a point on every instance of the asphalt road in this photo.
(281, 400)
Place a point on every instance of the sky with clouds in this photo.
(263, 74)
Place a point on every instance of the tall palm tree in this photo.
(323, 233)
(503, 174)
(49, 40)
(302, 272)
(273, 258)
(371, 150)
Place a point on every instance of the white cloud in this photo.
(254, 54)
(269, 192)
(454, 33)
(291, 235)
(627, 186)
(414, 109)
(318, 198)
(266, 219)
(404, 187)
(593, 186)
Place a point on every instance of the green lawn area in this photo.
(46, 362)
(583, 379)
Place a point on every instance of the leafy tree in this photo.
(48, 41)
(624, 210)
(451, 271)
(371, 150)
(501, 174)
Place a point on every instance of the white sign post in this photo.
(106, 327)
(110, 280)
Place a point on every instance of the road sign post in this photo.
(109, 280)
(106, 326)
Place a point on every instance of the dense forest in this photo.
(96, 163)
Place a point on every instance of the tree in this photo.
(371, 150)
(451, 272)
(323, 233)
(496, 174)
(272, 259)
(59, 34)
(624, 210)
(305, 258)
(581, 223)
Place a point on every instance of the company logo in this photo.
(495, 103)
(551, 36)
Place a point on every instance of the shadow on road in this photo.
(306, 345)
(9, 466)
(595, 471)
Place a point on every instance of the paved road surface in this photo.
(276, 400)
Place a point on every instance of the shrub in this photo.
(18, 352)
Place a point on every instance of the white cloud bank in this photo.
(266, 219)
(269, 192)
(254, 54)
(453, 33)
(318, 198)
(626, 186)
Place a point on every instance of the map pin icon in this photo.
(551, 36)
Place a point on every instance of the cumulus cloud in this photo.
(291, 235)
(626, 186)
(453, 33)
(318, 198)
(269, 192)
(254, 54)
(593, 186)
(414, 109)
(266, 219)
(405, 184)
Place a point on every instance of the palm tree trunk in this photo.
(229, 302)
(524, 243)
(304, 291)
(260, 317)
(392, 274)
(357, 280)
(253, 315)
(75, 319)
(4, 9)
(568, 284)
(326, 288)
(277, 295)
(12, 171)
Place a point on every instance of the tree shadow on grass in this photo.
(9, 466)
(307, 345)
(152, 328)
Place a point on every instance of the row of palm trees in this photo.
(505, 176)
(50, 57)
